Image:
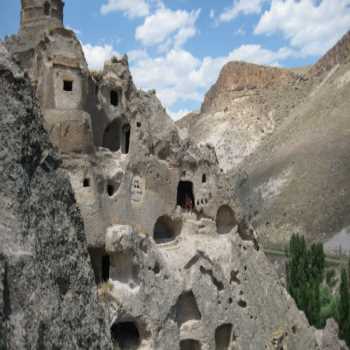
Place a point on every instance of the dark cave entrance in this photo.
(126, 335)
(190, 344)
(164, 230)
(111, 137)
(117, 136)
(100, 264)
(224, 337)
(114, 98)
(187, 308)
(185, 197)
(225, 220)
(126, 132)
(105, 268)
(68, 85)
(47, 9)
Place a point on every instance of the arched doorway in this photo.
(225, 219)
(224, 337)
(165, 230)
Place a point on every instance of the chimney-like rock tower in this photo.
(39, 15)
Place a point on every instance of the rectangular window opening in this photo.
(114, 98)
(68, 85)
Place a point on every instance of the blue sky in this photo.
(178, 47)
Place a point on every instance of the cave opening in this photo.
(190, 344)
(126, 132)
(185, 197)
(187, 308)
(111, 137)
(224, 337)
(114, 98)
(164, 230)
(126, 335)
(225, 220)
(86, 182)
(68, 85)
(47, 8)
(105, 268)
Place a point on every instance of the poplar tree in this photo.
(344, 307)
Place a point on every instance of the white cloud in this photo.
(137, 55)
(167, 28)
(76, 31)
(97, 55)
(246, 7)
(179, 114)
(131, 8)
(259, 55)
(178, 76)
(169, 75)
(311, 26)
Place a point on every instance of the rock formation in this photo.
(288, 131)
(48, 295)
(176, 261)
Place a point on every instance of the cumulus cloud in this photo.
(178, 76)
(310, 26)
(167, 28)
(131, 8)
(169, 75)
(97, 55)
(245, 7)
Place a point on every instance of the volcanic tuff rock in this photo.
(289, 132)
(48, 296)
(175, 258)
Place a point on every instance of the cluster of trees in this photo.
(344, 307)
(305, 281)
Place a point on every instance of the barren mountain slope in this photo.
(243, 108)
(298, 161)
(303, 170)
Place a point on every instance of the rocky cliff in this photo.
(210, 288)
(48, 297)
(289, 132)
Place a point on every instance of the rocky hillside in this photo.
(48, 296)
(289, 131)
(243, 108)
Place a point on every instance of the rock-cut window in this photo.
(68, 85)
(47, 8)
(114, 98)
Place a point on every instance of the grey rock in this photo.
(48, 297)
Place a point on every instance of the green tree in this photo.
(317, 262)
(305, 270)
(344, 306)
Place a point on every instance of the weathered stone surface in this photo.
(189, 288)
(175, 257)
(291, 139)
(327, 338)
(48, 299)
